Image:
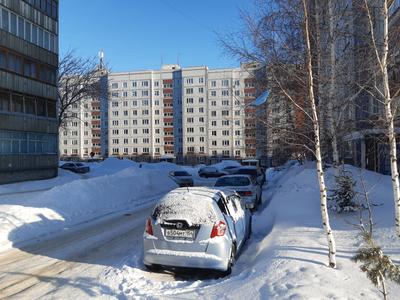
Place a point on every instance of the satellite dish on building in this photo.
(261, 99)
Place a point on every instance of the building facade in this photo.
(86, 134)
(28, 92)
(188, 115)
(191, 114)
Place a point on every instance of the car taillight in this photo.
(149, 228)
(218, 229)
(246, 193)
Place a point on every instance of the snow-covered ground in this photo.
(70, 199)
(286, 257)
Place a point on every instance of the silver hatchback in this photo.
(196, 228)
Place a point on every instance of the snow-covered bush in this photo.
(342, 196)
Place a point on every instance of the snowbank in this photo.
(286, 257)
(111, 186)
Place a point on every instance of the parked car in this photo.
(182, 178)
(245, 186)
(254, 172)
(209, 171)
(76, 167)
(230, 169)
(196, 227)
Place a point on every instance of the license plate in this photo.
(175, 233)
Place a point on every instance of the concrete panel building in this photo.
(191, 114)
(28, 92)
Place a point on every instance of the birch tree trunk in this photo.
(320, 171)
(332, 98)
(390, 118)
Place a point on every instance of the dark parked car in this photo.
(211, 172)
(182, 178)
(254, 172)
(75, 167)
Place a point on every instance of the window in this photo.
(189, 91)
(189, 100)
(134, 84)
(4, 17)
(21, 28)
(189, 80)
(225, 93)
(213, 93)
(201, 90)
(213, 83)
(201, 80)
(145, 83)
(201, 100)
(13, 24)
(145, 93)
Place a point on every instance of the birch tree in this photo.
(380, 49)
(281, 39)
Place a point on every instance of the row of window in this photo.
(28, 31)
(15, 142)
(200, 80)
(48, 7)
(29, 105)
(16, 63)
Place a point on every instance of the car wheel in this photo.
(231, 262)
(250, 228)
(152, 268)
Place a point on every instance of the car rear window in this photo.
(181, 173)
(233, 181)
(191, 208)
(247, 171)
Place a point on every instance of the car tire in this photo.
(152, 268)
(250, 228)
(232, 261)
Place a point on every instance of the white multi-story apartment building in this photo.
(86, 134)
(185, 113)
(190, 113)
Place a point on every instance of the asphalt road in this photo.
(68, 265)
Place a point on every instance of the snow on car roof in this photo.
(191, 204)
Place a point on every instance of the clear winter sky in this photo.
(139, 34)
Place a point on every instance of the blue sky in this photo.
(139, 34)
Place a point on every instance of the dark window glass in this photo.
(21, 27)
(28, 31)
(27, 68)
(5, 101)
(34, 34)
(51, 109)
(40, 37)
(46, 40)
(41, 107)
(30, 106)
(4, 19)
(3, 64)
(13, 27)
(17, 103)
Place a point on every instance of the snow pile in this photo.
(113, 186)
(286, 258)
